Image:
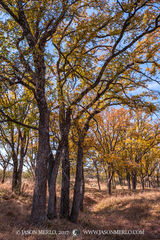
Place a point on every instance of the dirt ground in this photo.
(125, 215)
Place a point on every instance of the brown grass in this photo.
(123, 210)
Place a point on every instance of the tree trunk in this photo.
(18, 165)
(15, 172)
(134, 180)
(19, 180)
(128, 177)
(97, 174)
(109, 180)
(78, 185)
(82, 189)
(17, 175)
(109, 187)
(158, 183)
(142, 182)
(3, 175)
(149, 182)
(65, 188)
(120, 179)
(38, 212)
(114, 183)
(52, 176)
(22, 155)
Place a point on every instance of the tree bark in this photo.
(38, 212)
(109, 187)
(65, 188)
(52, 211)
(17, 176)
(15, 172)
(114, 183)
(97, 173)
(78, 185)
(52, 176)
(134, 180)
(120, 179)
(149, 182)
(128, 177)
(3, 175)
(18, 160)
(142, 182)
(109, 181)
(82, 189)
(22, 155)
(158, 183)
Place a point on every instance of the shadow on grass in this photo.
(89, 225)
(132, 210)
(127, 214)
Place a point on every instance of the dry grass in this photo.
(123, 210)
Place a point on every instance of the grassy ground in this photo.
(124, 210)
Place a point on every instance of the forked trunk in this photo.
(52, 176)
